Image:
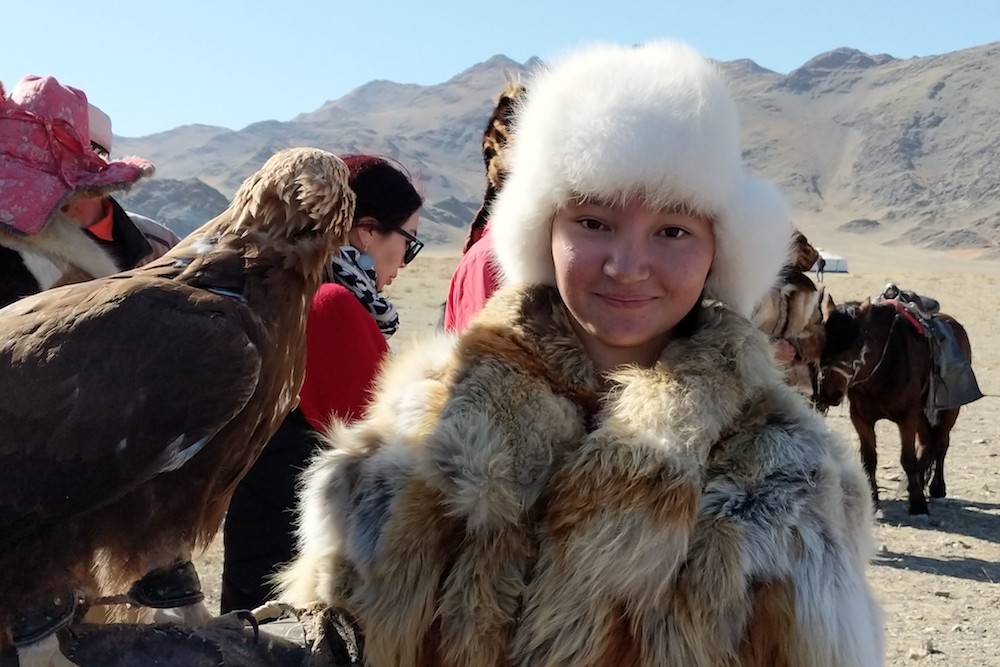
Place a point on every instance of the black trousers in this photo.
(258, 535)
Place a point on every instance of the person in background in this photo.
(111, 225)
(349, 324)
(606, 468)
(58, 223)
(476, 277)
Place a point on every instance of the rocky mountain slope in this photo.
(904, 151)
(181, 205)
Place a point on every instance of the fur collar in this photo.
(700, 383)
(523, 357)
(64, 244)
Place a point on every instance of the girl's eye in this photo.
(591, 223)
(673, 232)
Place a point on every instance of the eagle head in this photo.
(298, 191)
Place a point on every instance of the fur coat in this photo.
(500, 505)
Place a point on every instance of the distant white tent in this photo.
(834, 263)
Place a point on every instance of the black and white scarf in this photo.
(358, 275)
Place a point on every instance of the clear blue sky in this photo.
(154, 65)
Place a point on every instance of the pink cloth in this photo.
(905, 312)
(45, 154)
(474, 281)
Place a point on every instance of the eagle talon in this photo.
(238, 619)
(247, 615)
(274, 610)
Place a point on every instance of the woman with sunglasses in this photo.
(349, 324)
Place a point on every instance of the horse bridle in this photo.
(849, 369)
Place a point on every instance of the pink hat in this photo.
(45, 154)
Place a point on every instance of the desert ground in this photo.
(937, 577)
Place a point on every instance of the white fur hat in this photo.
(656, 121)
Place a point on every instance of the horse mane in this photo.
(843, 328)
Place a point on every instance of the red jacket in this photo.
(474, 281)
(344, 348)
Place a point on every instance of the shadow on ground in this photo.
(973, 569)
(956, 516)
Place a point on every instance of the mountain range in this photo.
(904, 151)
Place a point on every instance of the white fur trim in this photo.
(45, 271)
(752, 241)
(656, 121)
(63, 242)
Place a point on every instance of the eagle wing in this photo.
(106, 384)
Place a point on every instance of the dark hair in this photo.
(100, 150)
(383, 191)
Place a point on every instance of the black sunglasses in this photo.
(413, 245)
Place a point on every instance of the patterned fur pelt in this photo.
(791, 311)
(495, 137)
(500, 506)
(804, 255)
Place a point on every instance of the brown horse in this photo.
(877, 358)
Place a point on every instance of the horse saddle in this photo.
(953, 382)
(924, 307)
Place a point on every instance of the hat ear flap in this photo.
(752, 237)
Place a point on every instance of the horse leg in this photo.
(869, 459)
(941, 433)
(913, 465)
(924, 448)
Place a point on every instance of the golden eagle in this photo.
(133, 404)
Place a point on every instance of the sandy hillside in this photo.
(938, 578)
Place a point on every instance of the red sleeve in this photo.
(344, 348)
(472, 284)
